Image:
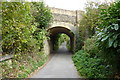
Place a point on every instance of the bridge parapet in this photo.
(64, 18)
(70, 16)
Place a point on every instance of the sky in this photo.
(68, 4)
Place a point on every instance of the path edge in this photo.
(39, 68)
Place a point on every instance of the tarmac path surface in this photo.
(59, 66)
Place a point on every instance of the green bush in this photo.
(60, 38)
(0, 29)
(22, 38)
(89, 63)
(90, 46)
(79, 43)
(109, 35)
(42, 14)
(64, 38)
(19, 27)
(16, 28)
(22, 66)
(19, 30)
(109, 28)
(100, 56)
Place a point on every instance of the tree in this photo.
(109, 35)
(42, 14)
(90, 19)
(16, 26)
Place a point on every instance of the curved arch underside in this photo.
(68, 26)
(54, 31)
(58, 29)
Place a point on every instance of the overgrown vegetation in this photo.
(109, 35)
(99, 57)
(61, 38)
(79, 42)
(90, 19)
(0, 28)
(89, 63)
(22, 66)
(23, 34)
(64, 38)
(42, 14)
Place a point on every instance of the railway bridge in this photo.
(64, 21)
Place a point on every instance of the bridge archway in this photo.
(56, 29)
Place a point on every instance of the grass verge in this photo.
(21, 67)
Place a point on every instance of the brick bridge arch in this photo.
(64, 21)
(62, 27)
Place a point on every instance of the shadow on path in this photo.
(63, 49)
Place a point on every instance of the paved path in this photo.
(60, 66)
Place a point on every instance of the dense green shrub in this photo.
(39, 36)
(90, 46)
(16, 26)
(100, 56)
(89, 63)
(79, 42)
(90, 67)
(64, 38)
(41, 13)
(22, 66)
(109, 35)
(0, 27)
(90, 19)
(61, 38)
(109, 28)
(22, 38)
(56, 42)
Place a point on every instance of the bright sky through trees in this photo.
(70, 4)
(65, 4)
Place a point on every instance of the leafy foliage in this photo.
(22, 38)
(100, 59)
(61, 38)
(42, 14)
(91, 47)
(109, 35)
(16, 27)
(40, 35)
(64, 38)
(89, 63)
(79, 42)
(23, 66)
(0, 28)
(90, 19)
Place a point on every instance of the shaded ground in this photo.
(60, 66)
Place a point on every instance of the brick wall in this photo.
(69, 16)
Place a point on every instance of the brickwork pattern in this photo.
(68, 16)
